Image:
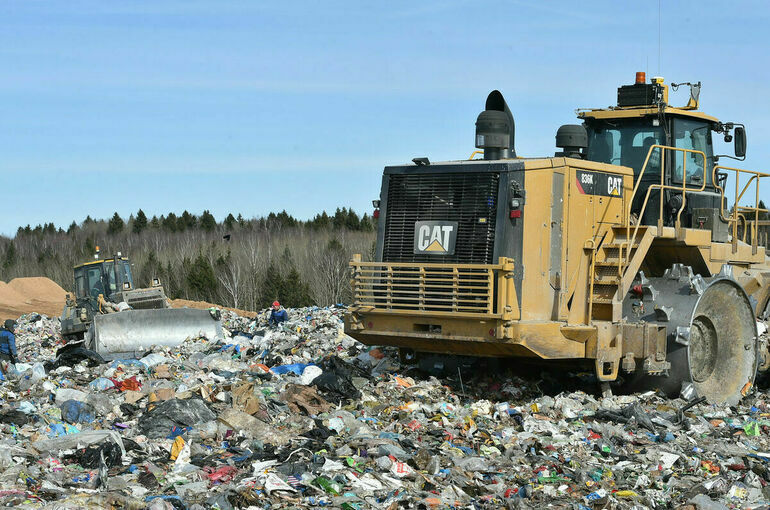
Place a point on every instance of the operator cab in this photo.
(106, 277)
(623, 135)
(627, 142)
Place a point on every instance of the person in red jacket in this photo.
(277, 315)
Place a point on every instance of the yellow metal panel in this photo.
(580, 227)
(625, 113)
(723, 252)
(547, 340)
(538, 164)
(588, 219)
(537, 295)
(544, 339)
(93, 262)
(696, 236)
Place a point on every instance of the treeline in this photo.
(238, 262)
(343, 218)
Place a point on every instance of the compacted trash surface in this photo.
(306, 417)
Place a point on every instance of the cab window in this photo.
(695, 135)
(124, 273)
(626, 143)
(81, 283)
(109, 277)
(94, 280)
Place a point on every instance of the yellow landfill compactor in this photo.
(636, 250)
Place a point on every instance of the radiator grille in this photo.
(470, 199)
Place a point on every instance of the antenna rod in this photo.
(658, 37)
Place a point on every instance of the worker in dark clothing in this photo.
(277, 315)
(8, 341)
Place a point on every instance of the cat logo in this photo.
(598, 183)
(435, 237)
(613, 186)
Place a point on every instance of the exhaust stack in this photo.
(495, 129)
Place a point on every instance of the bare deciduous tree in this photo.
(231, 281)
(320, 256)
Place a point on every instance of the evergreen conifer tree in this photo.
(201, 279)
(207, 221)
(115, 224)
(140, 222)
(229, 221)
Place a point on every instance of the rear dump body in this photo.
(510, 284)
(543, 259)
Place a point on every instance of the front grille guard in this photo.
(435, 289)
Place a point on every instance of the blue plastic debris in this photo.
(295, 368)
(74, 411)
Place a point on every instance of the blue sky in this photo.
(252, 107)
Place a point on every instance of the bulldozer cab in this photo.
(106, 277)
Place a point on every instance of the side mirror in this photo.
(740, 141)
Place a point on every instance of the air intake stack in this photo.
(573, 139)
(495, 130)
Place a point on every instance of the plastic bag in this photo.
(310, 373)
(295, 368)
(337, 380)
(158, 422)
(71, 441)
(90, 457)
(73, 411)
(72, 354)
(65, 394)
(101, 384)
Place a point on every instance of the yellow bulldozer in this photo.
(115, 319)
(633, 250)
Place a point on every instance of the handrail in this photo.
(592, 277)
(662, 186)
(738, 210)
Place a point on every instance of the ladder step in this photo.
(606, 263)
(621, 231)
(616, 246)
(606, 280)
(601, 301)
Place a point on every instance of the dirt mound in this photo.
(38, 288)
(203, 305)
(10, 295)
(42, 295)
(27, 295)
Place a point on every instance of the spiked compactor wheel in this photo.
(712, 335)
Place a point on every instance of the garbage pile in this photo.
(306, 417)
